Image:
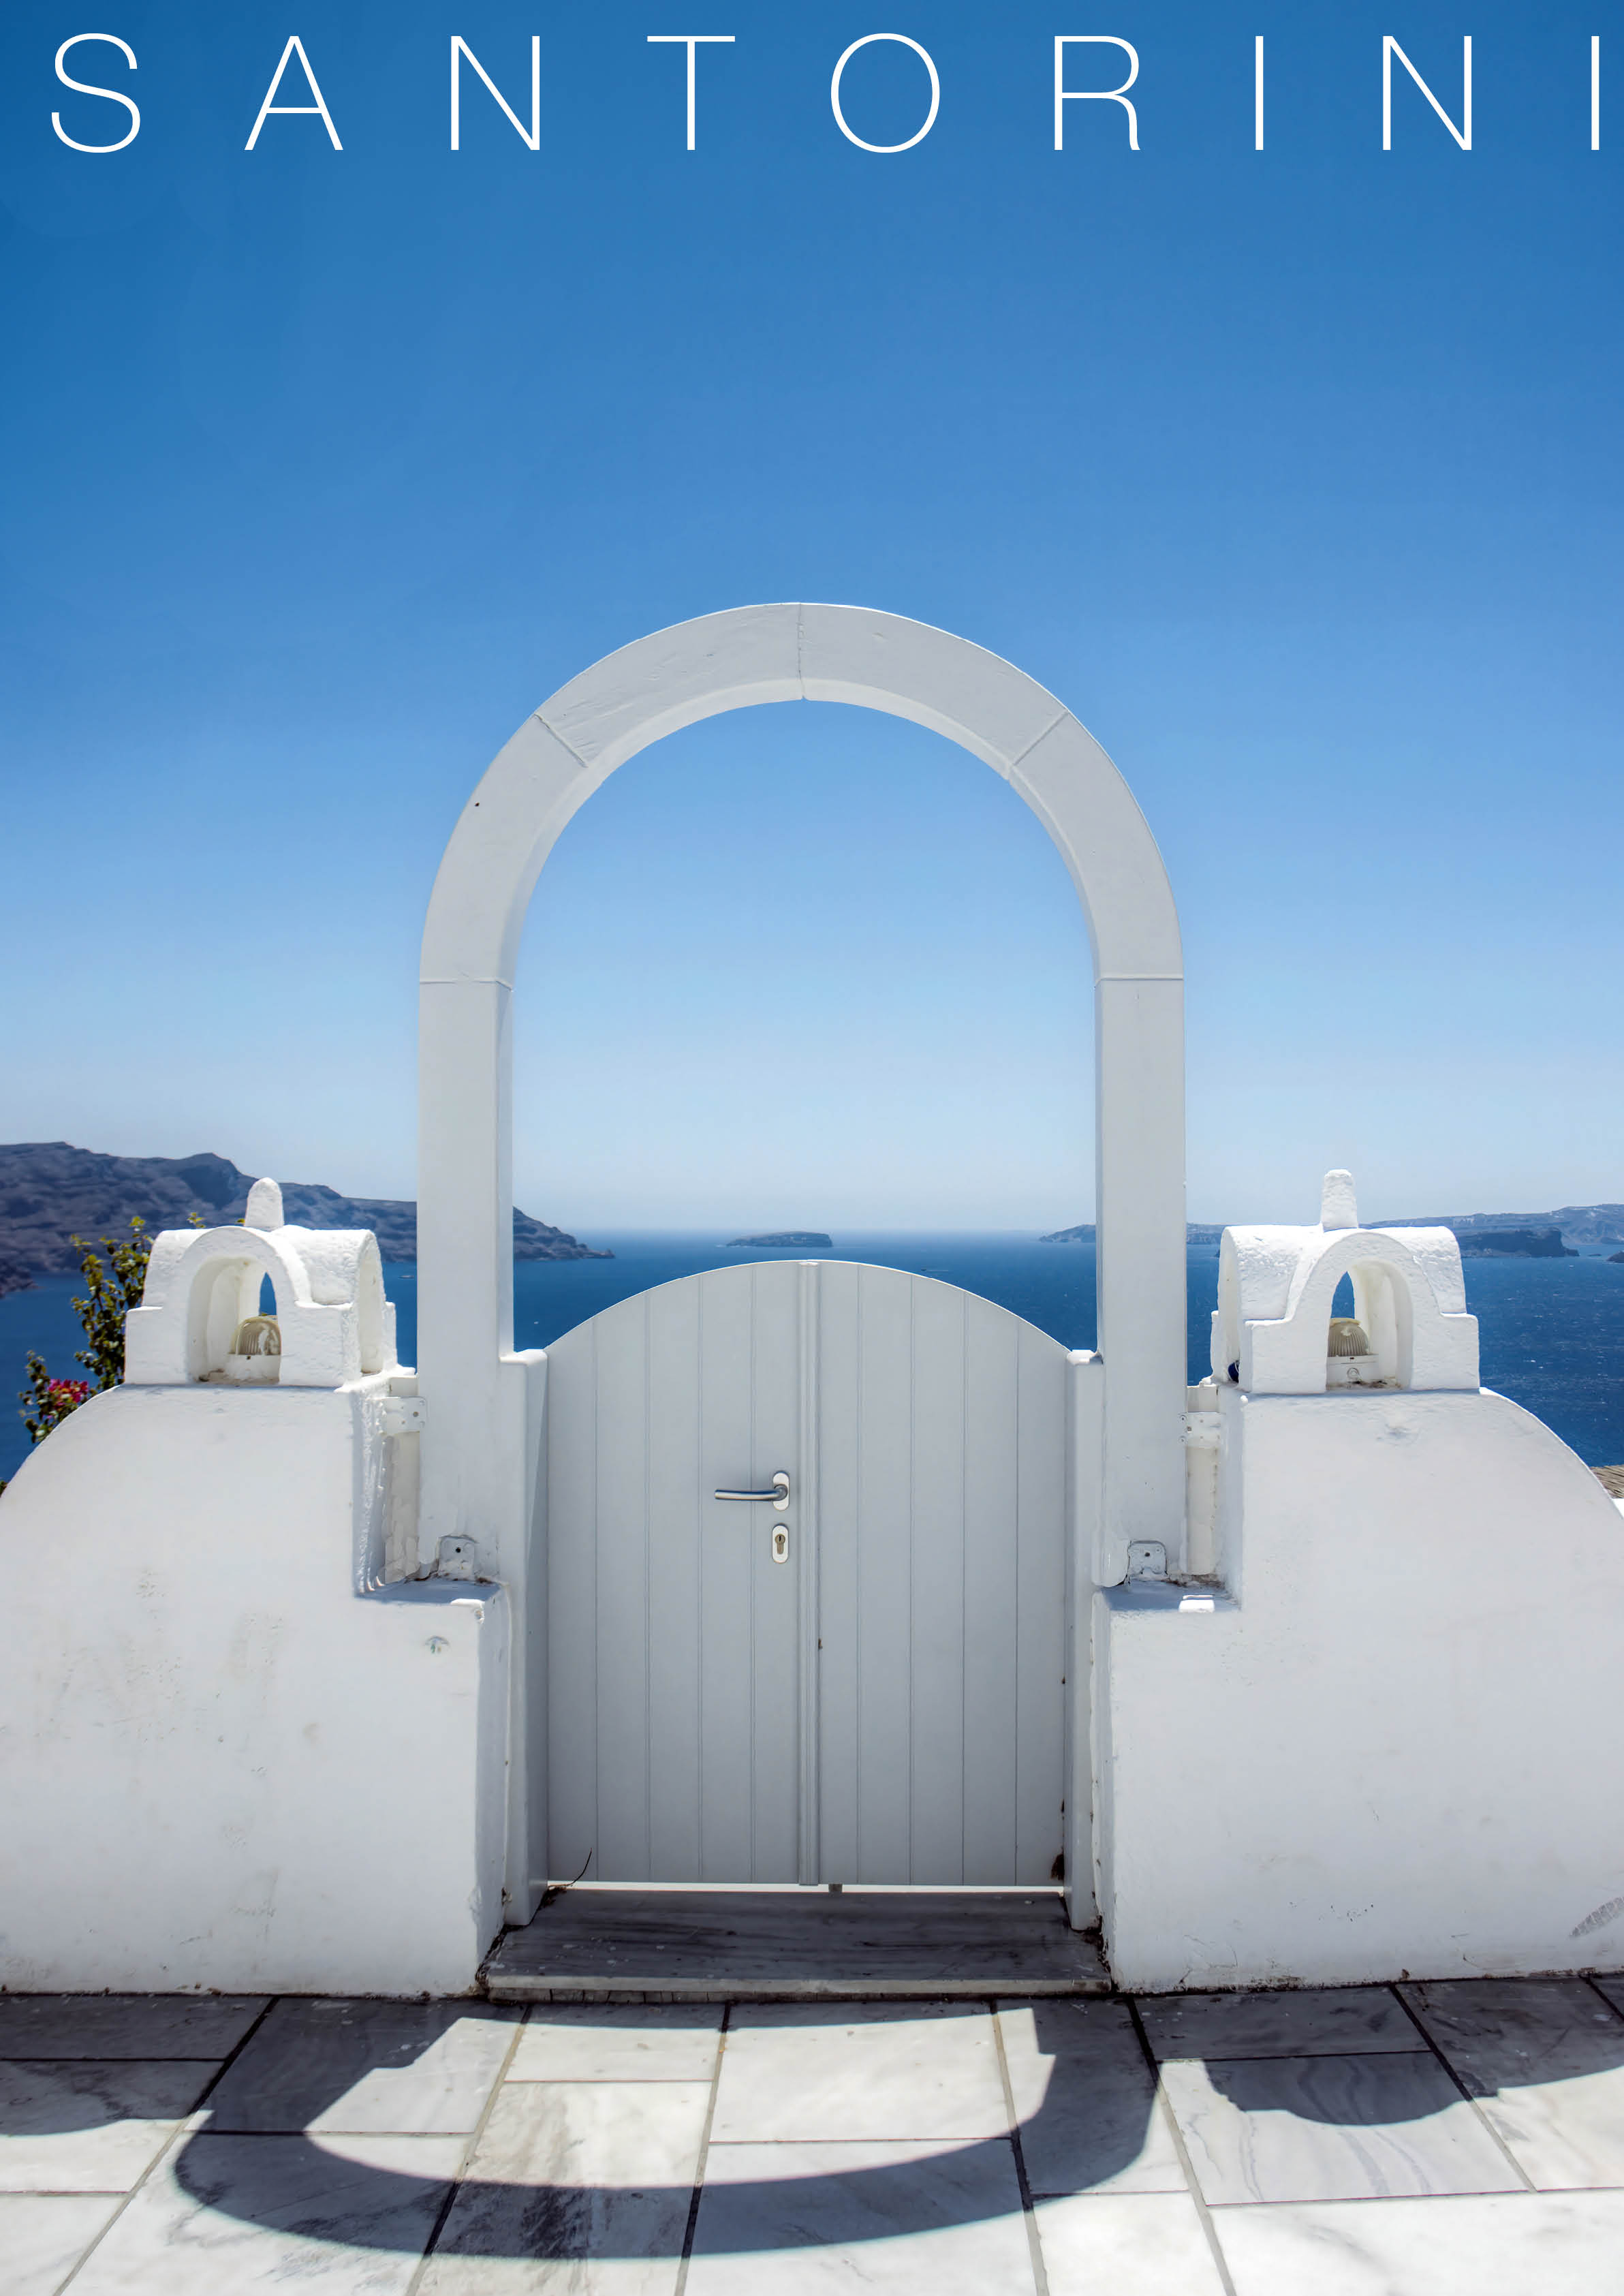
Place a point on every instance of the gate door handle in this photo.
(779, 1494)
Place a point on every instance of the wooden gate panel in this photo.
(943, 1646)
(571, 1515)
(1041, 1597)
(673, 1474)
(929, 1548)
(942, 1584)
(991, 1501)
(750, 1721)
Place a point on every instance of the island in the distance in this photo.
(790, 1239)
(1515, 1243)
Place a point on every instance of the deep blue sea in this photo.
(1552, 1330)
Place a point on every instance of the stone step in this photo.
(795, 1945)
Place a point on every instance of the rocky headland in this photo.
(51, 1192)
(1562, 1234)
(1514, 1243)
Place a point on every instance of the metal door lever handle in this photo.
(779, 1494)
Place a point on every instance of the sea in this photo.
(1552, 1330)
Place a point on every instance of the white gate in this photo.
(864, 1684)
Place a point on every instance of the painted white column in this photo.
(1139, 1129)
(1139, 1125)
(481, 1401)
(464, 1254)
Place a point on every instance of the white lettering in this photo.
(902, 40)
(459, 49)
(1258, 96)
(82, 87)
(690, 41)
(1064, 95)
(1390, 49)
(1595, 93)
(270, 110)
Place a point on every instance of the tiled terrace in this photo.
(1464, 2137)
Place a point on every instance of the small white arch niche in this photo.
(230, 1337)
(1373, 1347)
(1277, 1331)
(201, 1316)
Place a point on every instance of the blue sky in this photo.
(1295, 474)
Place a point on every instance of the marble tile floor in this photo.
(1413, 2140)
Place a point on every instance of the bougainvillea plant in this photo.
(52, 1399)
(113, 1285)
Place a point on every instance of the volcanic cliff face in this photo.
(51, 1192)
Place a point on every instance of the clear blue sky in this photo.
(1297, 475)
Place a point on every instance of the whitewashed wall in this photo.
(226, 1759)
(1396, 1744)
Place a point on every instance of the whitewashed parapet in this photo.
(334, 1321)
(1271, 1331)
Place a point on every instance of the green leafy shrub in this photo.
(113, 1285)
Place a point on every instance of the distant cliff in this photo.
(1581, 1225)
(1574, 1228)
(51, 1192)
(1197, 1232)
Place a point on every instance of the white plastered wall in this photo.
(229, 1756)
(1394, 1743)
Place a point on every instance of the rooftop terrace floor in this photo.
(1373, 2141)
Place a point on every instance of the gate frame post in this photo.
(482, 1418)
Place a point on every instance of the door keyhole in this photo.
(781, 1544)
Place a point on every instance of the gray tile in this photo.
(860, 2072)
(1523, 2244)
(1563, 2135)
(1085, 2100)
(633, 2135)
(1546, 2058)
(777, 2220)
(1331, 2129)
(1493, 2028)
(559, 2265)
(581, 2185)
(574, 2249)
(80, 2127)
(1127, 2244)
(1612, 1989)
(1342, 2021)
(677, 2042)
(224, 2216)
(104, 2025)
(44, 2234)
(417, 2069)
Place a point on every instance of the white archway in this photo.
(482, 1403)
